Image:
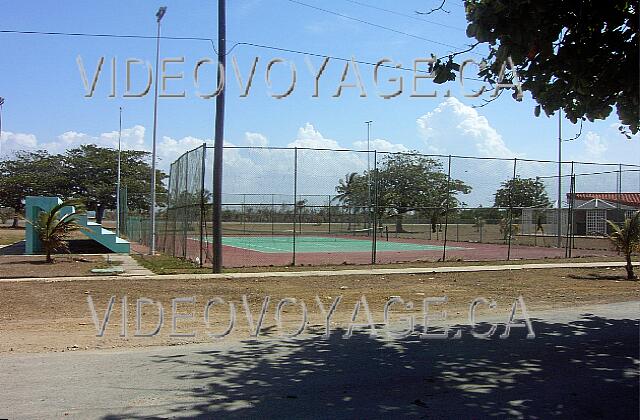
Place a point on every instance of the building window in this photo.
(629, 214)
(596, 222)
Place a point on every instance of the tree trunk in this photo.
(399, 228)
(629, 267)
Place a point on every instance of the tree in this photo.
(30, 173)
(87, 173)
(413, 182)
(405, 182)
(93, 171)
(352, 192)
(300, 208)
(522, 192)
(347, 189)
(580, 56)
(53, 228)
(626, 239)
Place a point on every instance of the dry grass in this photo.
(9, 235)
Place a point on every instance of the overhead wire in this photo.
(212, 41)
(393, 12)
(376, 25)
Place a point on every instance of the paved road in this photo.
(583, 363)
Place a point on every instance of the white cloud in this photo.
(272, 171)
(309, 137)
(12, 142)
(249, 171)
(255, 139)
(170, 149)
(455, 128)
(380, 145)
(595, 147)
(132, 139)
(458, 129)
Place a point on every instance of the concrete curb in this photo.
(349, 272)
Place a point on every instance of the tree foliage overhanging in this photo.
(87, 173)
(580, 56)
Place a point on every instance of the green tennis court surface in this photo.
(284, 244)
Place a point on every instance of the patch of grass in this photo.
(107, 264)
(420, 264)
(166, 264)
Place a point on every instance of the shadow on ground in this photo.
(599, 276)
(76, 246)
(582, 369)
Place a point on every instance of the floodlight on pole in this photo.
(118, 209)
(160, 14)
(152, 210)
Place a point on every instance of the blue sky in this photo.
(46, 108)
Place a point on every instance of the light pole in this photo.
(1, 103)
(369, 171)
(119, 178)
(152, 210)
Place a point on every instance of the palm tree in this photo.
(626, 239)
(346, 194)
(54, 229)
(345, 189)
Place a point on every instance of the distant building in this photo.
(592, 210)
(590, 214)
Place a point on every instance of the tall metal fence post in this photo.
(169, 205)
(374, 211)
(619, 197)
(187, 199)
(202, 199)
(295, 201)
(569, 239)
(573, 207)
(329, 212)
(510, 232)
(446, 214)
(273, 210)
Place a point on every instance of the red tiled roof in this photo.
(629, 199)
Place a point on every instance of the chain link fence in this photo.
(304, 206)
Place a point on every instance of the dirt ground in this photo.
(16, 266)
(47, 316)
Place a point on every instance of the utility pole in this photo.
(119, 178)
(218, 148)
(369, 172)
(152, 211)
(559, 178)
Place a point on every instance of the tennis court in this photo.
(311, 244)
